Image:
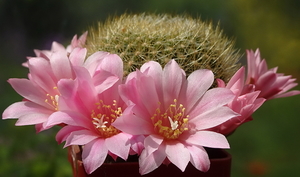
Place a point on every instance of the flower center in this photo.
(171, 123)
(104, 116)
(52, 100)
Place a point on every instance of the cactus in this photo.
(194, 44)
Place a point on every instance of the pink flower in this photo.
(267, 81)
(57, 47)
(244, 104)
(174, 113)
(77, 42)
(89, 105)
(40, 90)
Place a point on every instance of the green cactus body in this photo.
(194, 44)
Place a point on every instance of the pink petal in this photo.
(77, 56)
(148, 93)
(41, 73)
(80, 137)
(238, 76)
(212, 99)
(289, 85)
(67, 88)
(77, 42)
(57, 47)
(258, 102)
(22, 108)
(132, 124)
(152, 143)
(32, 119)
(199, 158)
(150, 162)
(70, 118)
(93, 155)
(61, 65)
(265, 81)
(213, 117)
(221, 83)
(118, 145)
(26, 89)
(137, 143)
(251, 63)
(208, 139)
(262, 66)
(199, 82)
(64, 132)
(104, 80)
(92, 62)
(128, 92)
(178, 154)
(287, 94)
(70, 98)
(154, 70)
(82, 39)
(83, 96)
(113, 64)
(39, 127)
(172, 81)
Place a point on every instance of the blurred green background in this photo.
(267, 146)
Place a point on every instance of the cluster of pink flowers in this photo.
(157, 113)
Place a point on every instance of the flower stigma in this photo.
(171, 123)
(104, 116)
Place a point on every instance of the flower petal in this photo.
(69, 118)
(103, 80)
(132, 124)
(208, 139)
(137, 143)
(64, 132)
(148, 93)
(32, 119)
(178, 154)
(152, 143)
(113, 64)
(199, 158)
(80, 137)
(92, 62)
(22, 108)
(212, 99)
(152, 161)
(61, 65)
(77, 56)
(198, 83)
(119, 145)
(128, 92)
(154, 70)
(26, 89)
(41, 73)
(93, 155)
(287, 94)
(212, 118)
(173, 77)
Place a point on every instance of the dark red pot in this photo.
(220, 167)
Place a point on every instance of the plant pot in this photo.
(220, 167)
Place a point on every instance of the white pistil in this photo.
(174, 125)
(99, 122)
(56, 98)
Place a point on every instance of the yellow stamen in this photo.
(106, 116)
(52, 100)
(172, 123)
